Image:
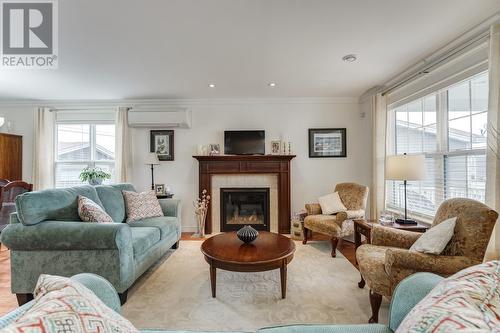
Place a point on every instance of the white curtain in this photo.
(493, 139)
(43, 149)
(379, 133)
(123, 151)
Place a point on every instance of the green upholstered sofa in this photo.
(408, 293)
(46, 235)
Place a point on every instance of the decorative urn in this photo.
(247, 234)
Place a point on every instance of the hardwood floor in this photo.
(8, 301)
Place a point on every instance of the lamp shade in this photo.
(151, 159)
(405, 167)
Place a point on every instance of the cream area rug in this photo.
(175, 294)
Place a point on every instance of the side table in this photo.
(364, 227)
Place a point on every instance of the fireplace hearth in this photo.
(244, 206)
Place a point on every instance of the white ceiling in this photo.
(128, 49)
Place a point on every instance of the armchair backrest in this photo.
(475, 222)
(353, 196)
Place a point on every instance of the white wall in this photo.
(311, 177)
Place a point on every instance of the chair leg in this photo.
(335, 242)
(304, 241)
(123, 297)
(24, 298)
(375, 301)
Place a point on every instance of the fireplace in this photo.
(244, 206)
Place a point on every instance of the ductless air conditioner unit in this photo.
(159, 117)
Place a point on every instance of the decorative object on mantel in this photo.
(152, 160)
(94, 176)
(159, 189)
(214, 149)
(202, 150)
(327, 142)
(200, 209)
(2, 121)
(162, 143)
(275, 147)
(247, 234)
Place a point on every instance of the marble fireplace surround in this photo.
(245, 181)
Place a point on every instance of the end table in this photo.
(364, 227)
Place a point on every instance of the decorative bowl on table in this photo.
(247, 234)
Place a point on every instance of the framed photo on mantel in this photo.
(162, 144)
(327, 142)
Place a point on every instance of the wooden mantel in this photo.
(251, 164)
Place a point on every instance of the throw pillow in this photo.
(89, 211)
(331, 204)
(435, 239)
(465, 302)
(64, 305)
(141, 205)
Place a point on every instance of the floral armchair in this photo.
(387, 260)
(336, 226)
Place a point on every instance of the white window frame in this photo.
(92, 133)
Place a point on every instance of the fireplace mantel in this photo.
(249, 164)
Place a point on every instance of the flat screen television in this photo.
(245, 142)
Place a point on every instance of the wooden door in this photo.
(11, 156)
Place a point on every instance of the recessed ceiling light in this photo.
(272, 84)
(211, 85)
(350, 58)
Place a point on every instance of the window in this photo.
(449, 128)
(83, 145)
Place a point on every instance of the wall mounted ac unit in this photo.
(159, 117)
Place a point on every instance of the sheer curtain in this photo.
(43, 149)
(123, 150)
(379, 125)
(493, 139)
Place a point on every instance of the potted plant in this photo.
(94, 176)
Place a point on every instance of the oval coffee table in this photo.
(269, 251)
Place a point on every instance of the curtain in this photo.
(493, 140)
(123, 151)
(379, 133)
(43, 149)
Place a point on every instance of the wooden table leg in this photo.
(283, 280)
(213, 279)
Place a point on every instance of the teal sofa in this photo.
(46, 235)
(407, 294)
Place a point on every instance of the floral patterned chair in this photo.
(387, 260)
(354, 197)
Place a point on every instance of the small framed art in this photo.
(327, 142)
(162, 144)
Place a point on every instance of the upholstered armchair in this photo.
(338, 225)
(387, 260)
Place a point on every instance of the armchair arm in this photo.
(170, 207)
(351, 215)
(384, 236)
(313, 209)
(65, 235)
(401, 260)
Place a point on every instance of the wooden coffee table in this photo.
(269, 251)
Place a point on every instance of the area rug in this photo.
(175, 294)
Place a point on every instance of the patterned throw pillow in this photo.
(64, 305)
(468, 301)
(89, 211)
(141, 205)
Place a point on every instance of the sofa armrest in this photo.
(14, 218)
(65, 235)
(101, 287)
(313, 209)
(402, 261)
(170, 207)
(384, 236)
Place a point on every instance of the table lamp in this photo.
(152, 160)
(405, 168)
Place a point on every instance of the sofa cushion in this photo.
(141, 205)
(89, 211)
(144, 238)
(465, 302)
(64, 305)
(112, 199)
(166, 224)
(53, 204)
(331, 204)
(434, 241)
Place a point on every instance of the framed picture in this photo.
(162, 143)
(214, 149)
(275, 147)
(160, 189)
(327, 142)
